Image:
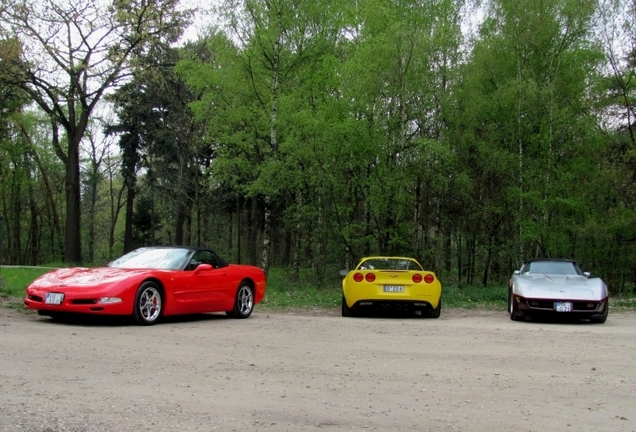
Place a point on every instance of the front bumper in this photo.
(74, 304)
(579, 308)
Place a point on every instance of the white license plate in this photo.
(563, 306)
(393, 288)
(54, 298)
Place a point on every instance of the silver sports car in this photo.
(558, 287)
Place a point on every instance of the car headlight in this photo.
(109, 300)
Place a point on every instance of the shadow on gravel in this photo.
(388, 314)
(119, 321)
(558, 320)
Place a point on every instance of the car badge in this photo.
(393, 276)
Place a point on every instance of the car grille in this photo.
(579, 306)
(585, 306)
(35, 298)
(83, 301)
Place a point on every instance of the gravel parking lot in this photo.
(317, 371)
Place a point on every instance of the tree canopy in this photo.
(307, 134)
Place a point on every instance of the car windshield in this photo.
(389, 264)
(553, 267)
(153, 258)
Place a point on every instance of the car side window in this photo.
(203, 257)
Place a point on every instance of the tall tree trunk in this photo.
(73, 243)
(35, 248)
(252, 231)
(128, 222)
(297, 243)
(57, 227)
(92, 213)
(522, 251)
(267, 232)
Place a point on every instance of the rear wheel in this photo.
(346, 310)
(148, 304)
(514, 315)
(243, 302)
(434, 313)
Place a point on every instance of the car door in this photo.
(207, 285)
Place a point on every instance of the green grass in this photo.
(283, 294)
(16, 279)
(623, 302)
(13, 282)
(472, 297)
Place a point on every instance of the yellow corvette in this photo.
(391, 284)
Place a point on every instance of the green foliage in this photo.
(472, 296)
(16, 279)
(282, 293)
(308, 293)
(327, 131)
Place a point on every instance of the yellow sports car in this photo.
(391, 284)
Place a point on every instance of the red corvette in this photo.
(149, 283)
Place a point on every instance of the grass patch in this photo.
(16, 279)
(623, 302)
(283, 294)
(475, 296)
(13, 282)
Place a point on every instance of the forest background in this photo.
(306, 134)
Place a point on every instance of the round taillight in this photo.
(429, 278)
(417, 278)
(358, 277)
(370, 277)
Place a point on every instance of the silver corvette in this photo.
(556, 287)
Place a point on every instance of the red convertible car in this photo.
(149, 283)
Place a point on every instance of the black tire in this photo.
(514, 315)
(600, 319)
(434, 313)
(148, 304)
(346, 310)
(243, 302)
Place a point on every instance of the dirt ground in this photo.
(316, 371)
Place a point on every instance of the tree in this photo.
(77, 51)
(158, 132)
(527, 135)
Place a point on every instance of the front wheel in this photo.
(600, 319)
(514, 315)
(148, 304)
(243, 302)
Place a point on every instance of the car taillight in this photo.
(429, 278)
(358, 277)
(417, 278)
(370, 277)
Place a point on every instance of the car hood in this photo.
(79, 277)
(559, 286)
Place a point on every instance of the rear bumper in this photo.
(384, 305)
(415, 297)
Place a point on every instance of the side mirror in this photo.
(587, 274)
(517, 272)
(202, 267)
(343, 272)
